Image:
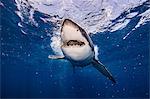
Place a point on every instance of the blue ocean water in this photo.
(27, 72)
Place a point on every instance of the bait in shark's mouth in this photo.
(78, 48)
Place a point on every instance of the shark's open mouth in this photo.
(73, 43)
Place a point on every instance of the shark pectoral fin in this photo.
(55, 57)
(100, 67)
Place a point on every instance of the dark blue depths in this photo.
(27, 72)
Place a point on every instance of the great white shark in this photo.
(78, 48)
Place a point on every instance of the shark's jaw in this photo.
(73, 43)
(75, 46)
(77, 51)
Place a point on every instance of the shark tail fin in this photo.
(100, 67)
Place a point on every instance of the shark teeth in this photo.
(73, 43)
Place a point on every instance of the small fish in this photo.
(78, 48)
